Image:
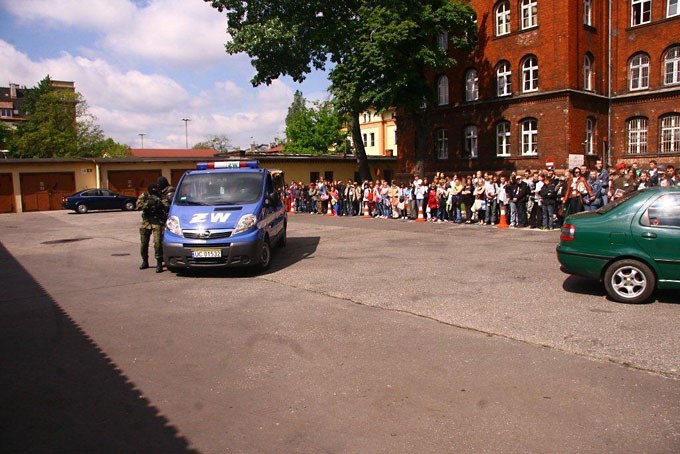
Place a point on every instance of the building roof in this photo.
(172, 153)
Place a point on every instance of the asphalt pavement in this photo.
(364, 336)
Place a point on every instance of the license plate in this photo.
(206, 253)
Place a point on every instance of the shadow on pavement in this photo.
(58, 391)
(296, 250)
(585, 286)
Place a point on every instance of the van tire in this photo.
(265, 255)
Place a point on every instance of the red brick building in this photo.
(551, 79)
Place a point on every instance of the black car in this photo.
(98, 199)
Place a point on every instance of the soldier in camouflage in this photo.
(154, 214)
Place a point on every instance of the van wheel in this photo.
(629, 281)
(82, 208)
(265, 255)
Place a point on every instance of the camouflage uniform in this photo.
(154, 213)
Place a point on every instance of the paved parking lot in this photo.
(364, 336)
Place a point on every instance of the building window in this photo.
(5, 113)
(442, 144)
(372, 139)
(443, 40)
(471, 85)
(503, 139)
(637, 136)
(503, 79)
(640, 12)
(529, 141)
(589, 142)
(670, 134)
(529, 14)
(587, 72)
(530, 74)
(671, 64)
(672, 8)
(471, 150)
(365, 137)
(639, 72)
(503, 19)
(587, 12)
(443, 91)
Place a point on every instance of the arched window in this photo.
(443, 40)
(442, 144)
(670, 133)
(639, 72)
(503, 18)
(471, 150)
(529, 137)
(471, 85)
(443, 91)
(671, 65)
(503, 79)
(529, 10)
(587, 72)
(503, 139)
(589, 142)
(530, 74)
(637, 135)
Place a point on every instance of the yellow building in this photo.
(379, 131)
(40, 184)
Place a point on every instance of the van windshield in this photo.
(224, 188)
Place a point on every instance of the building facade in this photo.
(379, 132)
(554, 82)
(12, 100)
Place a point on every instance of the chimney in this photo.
(13, 91)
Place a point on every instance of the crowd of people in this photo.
(533, 199)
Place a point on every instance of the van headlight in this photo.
(246, 222)
(172, 224)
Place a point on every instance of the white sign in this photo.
(576, 160)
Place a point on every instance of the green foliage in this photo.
(380, 50)
(59, 124)
(221, 143)
(313, 130)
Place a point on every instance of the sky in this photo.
(144, 65)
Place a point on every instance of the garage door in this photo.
(6, 193)
(176, 174)
(44, 191)
(132, 182)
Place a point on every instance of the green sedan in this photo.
(631, 244)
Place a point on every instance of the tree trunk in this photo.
(359, 149)
(421, 142)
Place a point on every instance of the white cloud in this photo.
(182, 33)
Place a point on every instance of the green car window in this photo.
(664, 212)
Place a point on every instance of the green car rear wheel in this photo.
(629, 281)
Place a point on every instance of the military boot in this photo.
(159, 267)
(144, 265)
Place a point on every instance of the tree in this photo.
(59, 124)
(380, 50)
(315, 129)
(221, 143)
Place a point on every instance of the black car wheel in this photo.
(630, 281)
(81, 208)
(129, 206)
(265, 255)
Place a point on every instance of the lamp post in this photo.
(186, 130)
(141, 134)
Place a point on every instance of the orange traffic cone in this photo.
(366, 213)
(421, 218)
(503, 223)
(329, 212)
(292, 206)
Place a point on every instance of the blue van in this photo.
(225, 214)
